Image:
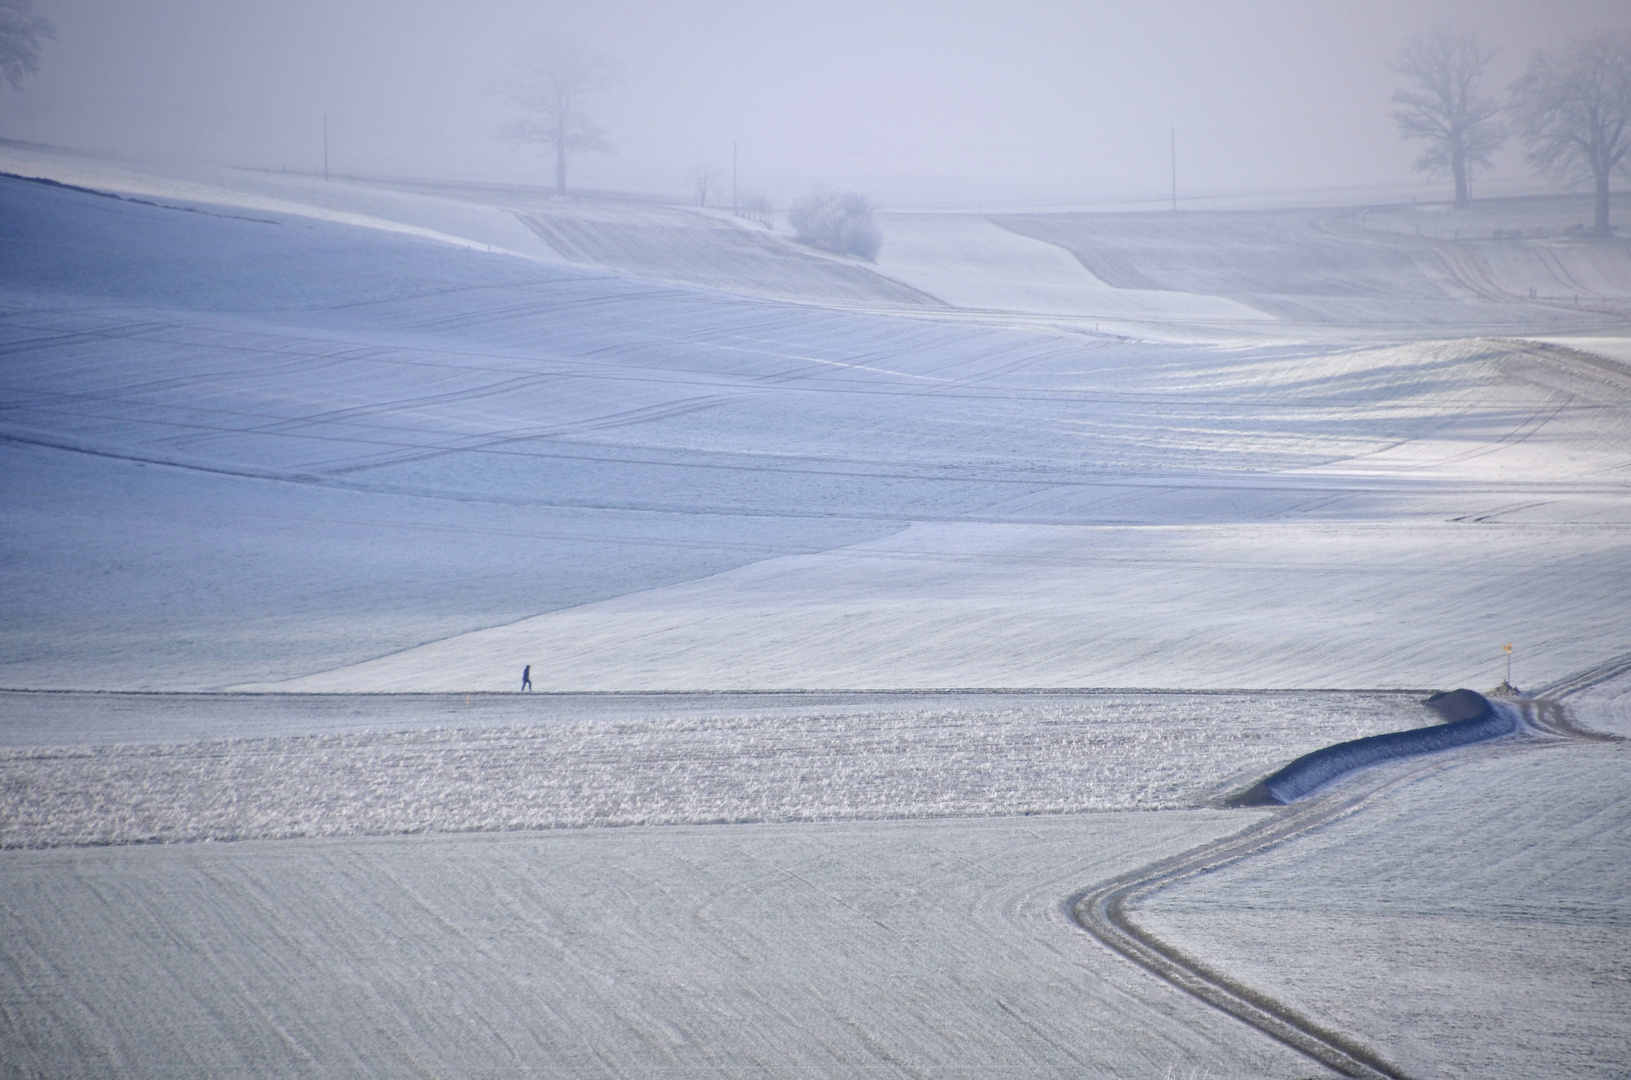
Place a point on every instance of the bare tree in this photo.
(703, 179)
(551, 90)
(1443, 107)
(20, 33)
(1572, 111)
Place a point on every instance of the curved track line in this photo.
(1102, 910)
(1585, 680)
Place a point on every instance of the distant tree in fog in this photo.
(551, 90)
(20, 34)
(703, 180)
(838, 221)
(1573, 109)
(1442, 105)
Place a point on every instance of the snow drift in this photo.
(1473, 718)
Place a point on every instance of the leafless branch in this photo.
(21, 32)
(550, 91)
(1572, 110)
(1443, 108)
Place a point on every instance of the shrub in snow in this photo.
(837, 221)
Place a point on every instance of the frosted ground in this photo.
(856, 949)
(262, 433)
(659, 760)
(366, 443)
(1470, 923)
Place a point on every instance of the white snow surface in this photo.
(288, 434)
(860, 949)
(1472, 923)
(460, 222)
(1505, 264)
(693, 246)
(1275, 605)
(969, 262)
(296, 453)
(1604, 708)
(1615, 348)
(579, 763)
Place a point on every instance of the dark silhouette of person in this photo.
(526, 677)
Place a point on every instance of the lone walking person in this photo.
(526, 677)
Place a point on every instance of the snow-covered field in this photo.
(662, 762)
(465, 223)
(259, 431)
(1398, 268)
(1217, 606)
(363, 442)
(1474, 923)
(1605, 707)
(971, 262)
(845, 950)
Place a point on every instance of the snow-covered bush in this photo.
(838, 221)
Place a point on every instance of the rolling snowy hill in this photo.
(283, 446)
(279, 436)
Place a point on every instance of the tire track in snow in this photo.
(1103, 909)
(1103, 912)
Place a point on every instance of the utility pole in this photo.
(325, 147)
(733, 178)
(1173, 135)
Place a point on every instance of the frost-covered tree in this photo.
(837, 221)
(551, 90)
(21, 32)
(1572, 110)
(1442, 106)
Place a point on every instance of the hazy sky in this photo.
(937, 102)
